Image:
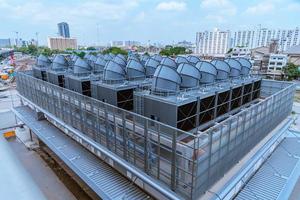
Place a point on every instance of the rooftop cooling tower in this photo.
(208, 72)
(108, 57)
(151, 65)
(166, 61)
(223, 69)
(99, 64)
(157, 57)
(81, 67)
(166, 80)
(135, 69)
(59, 63)
(144, 58)
(190, 75)
(92, 59)
(235, 67)
(120, 59)
(43, 61)
(114, 72)
(246, 66)
(193, 59)
(180, 59)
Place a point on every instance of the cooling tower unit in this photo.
(151, 64)
(190, 75)
(208, 72)
(180, 59)
(246, 66)
(235, 67)
(99, 65)
(118, 84)
(167, 61)
(166, 80)
(223, 69)
(79, 80)
(193, 59)
(120, 60)
(41, 67)
(56, 74)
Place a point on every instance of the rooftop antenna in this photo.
(37, 38)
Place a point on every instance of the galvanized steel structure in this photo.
(155, 150)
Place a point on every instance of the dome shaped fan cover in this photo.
(59, 63)
(246, 66)
(43, 61)
(135, 69)
(168, 62)
(180, 59)
(190, 75)
(151, 65)
(208, 72)
(235, 67)
(223, 69)
(166, 80)
(193, 59)
(99, 64)
(114, 72)
(81, 67)
(120, 59)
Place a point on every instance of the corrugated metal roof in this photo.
(103, 179)
(273, 176)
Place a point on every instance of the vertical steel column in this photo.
(146, 160)
(125, 137)
(173, 161)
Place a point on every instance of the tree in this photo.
(115, 50)
(79, 54)
(174, 51)
(91, 48)
(291, 71)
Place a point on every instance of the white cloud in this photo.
(218, 10)
(261, 8)
(171, 6)
(217, 18)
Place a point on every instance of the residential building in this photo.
(277, 62)
(63, 30)
(131, 43)
(237, 52)
(61, 43)
(260, 57)
(117, 43)
(5, 43)
(263, 37)
(293, 54)
(212, 43)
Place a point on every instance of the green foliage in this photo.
(91, 48)
(79, 54)
(291, 71)
(173, 51)
(230, 50)
(115, 50)
(146, 54)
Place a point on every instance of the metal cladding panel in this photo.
(193, 59)
(166, 61)
(87, 56)
(157, 57)
(106, 94)
(208, 72)
(43, 61)
(166, 79)
(81, 66)
(180, 59)
(144, 58)
(223, 69)
(59, 63)
(135, 69)
(190, 75)
(160, 111)
(246, 65)
(114, 72)
(120, 59)
(151, 65)
(235, 67)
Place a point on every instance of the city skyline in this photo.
(142, 20)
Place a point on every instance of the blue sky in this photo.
(161, 21)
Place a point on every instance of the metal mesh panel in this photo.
(187, 167)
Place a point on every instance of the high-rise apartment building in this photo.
(263, 37)
(63, 30)
(61, 43)
(212, 43)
